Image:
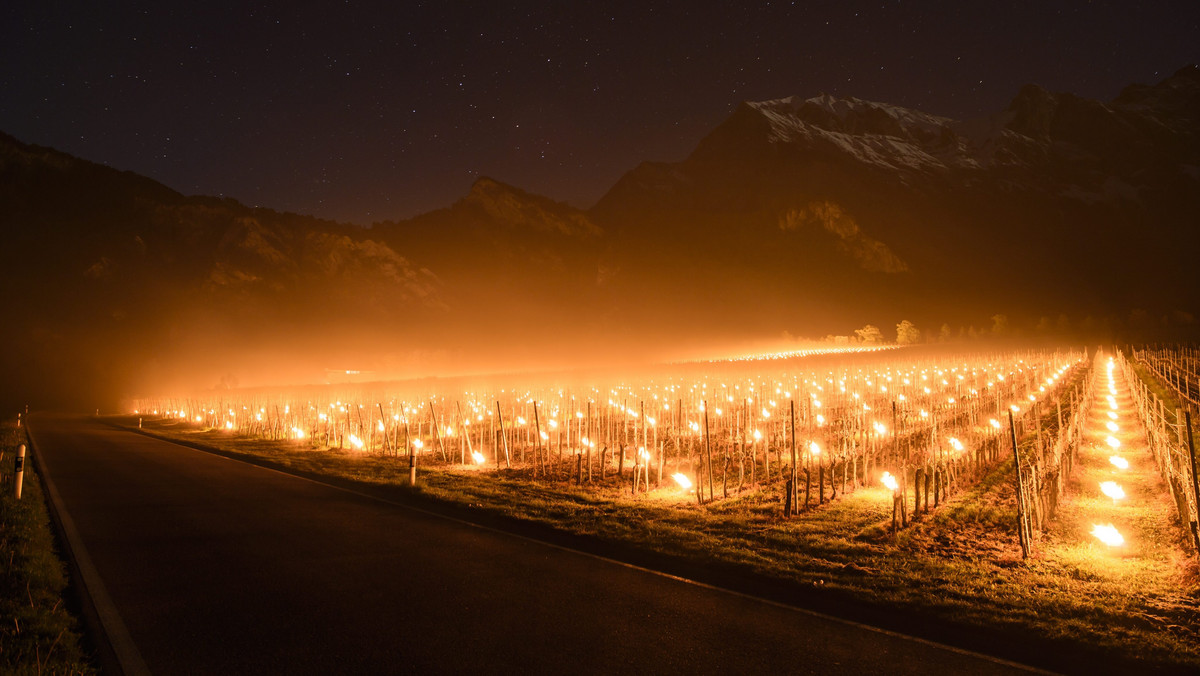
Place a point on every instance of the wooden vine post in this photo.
(1187, 417)
(708, 453)
(1021, 534)
(385, 434)
(539, 450)
(412, 456)
(437, 434)
(504, 437)
(791, 484)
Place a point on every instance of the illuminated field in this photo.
(841, 419)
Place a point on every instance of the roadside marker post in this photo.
(19, 474)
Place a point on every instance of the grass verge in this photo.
(38, 634)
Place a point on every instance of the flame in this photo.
(956, 444)
(298, 432)
(1112, 490)
(355, 441)
(890, 481)
(814, 448)
(681, 479)
(479, 459)
(1108, 534)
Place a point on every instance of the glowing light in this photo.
(820, 420)
(757, 435)
(814, 448)
(1112, 426)
(890, 481)
(355, 441)
(1113, 441)
(994, 423)
(299, 433)
(956, 444)
(478, 457)
(1112, 415)
(228, 424)
(681, 479)
(1119, 462)
(1108, 534)
(418, 444)
(1112, 490)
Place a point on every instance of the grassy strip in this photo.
(37, 634)
(959, 566)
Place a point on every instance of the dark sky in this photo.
(369, 111)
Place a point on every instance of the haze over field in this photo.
(811, 216)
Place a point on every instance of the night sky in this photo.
(371, 111)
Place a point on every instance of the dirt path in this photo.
(1115, 457)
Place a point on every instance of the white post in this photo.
(19, 475)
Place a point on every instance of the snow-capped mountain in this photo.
(1045, 199)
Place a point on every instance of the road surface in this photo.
(210, 565)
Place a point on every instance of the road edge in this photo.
(117, 652)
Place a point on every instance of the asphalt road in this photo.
(217, 566)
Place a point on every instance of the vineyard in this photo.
(887, 475)
(810, 429)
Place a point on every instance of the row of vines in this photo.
(814, 428)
